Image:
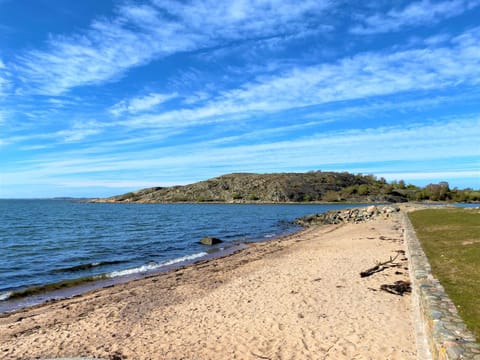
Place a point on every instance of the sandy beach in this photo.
(299, 297)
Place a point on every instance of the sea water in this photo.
(49, 241)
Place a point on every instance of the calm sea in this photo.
(49, 241)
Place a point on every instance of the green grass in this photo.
(451, 241)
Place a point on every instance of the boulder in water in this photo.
(210, 241)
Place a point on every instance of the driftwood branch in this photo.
(379, 267)
(260, 356)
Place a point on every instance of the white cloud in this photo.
(102, 54)
(454, 138)
(4, 82)
(107, 183)
(61, 102)
(74, 133)
(437, 39)
(414, 14)
(140, 104)
(244, 18)
(196, 97)
(359, 77)
(78, 131)
(141, 33)
(445, 142)
(438, 175)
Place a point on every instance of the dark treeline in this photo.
(432, 192)
(437, 192)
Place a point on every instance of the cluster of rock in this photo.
(352, 215)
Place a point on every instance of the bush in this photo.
(331, 196)
(307, 198)
(237, 196)
(363, 190)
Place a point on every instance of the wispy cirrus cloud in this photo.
(76, 132)
(365, 75)
(102, 53)
(79, 131)
(380, 143)
(430, 175)
(240, 19)
(418, 13)
(140, 33)
(141, 103)
(319, 150)
(4, 82)
(2, 118)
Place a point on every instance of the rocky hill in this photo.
(271, 188)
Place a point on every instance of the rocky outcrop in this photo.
(355, 215)
(271, 188)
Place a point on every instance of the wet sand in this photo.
(299, 297)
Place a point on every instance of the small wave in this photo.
(5, 296)
(268, 236)
(155, 266)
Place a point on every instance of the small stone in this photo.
(372, 210)
(434, 314)
(473, 347)
(419, 274)
(454, 352)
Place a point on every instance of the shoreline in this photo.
(38, 296)
(103, 249)
(69, 287)
(297, 296)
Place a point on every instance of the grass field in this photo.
(451, 241)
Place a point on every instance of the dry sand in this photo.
(300, 297)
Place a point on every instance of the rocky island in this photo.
(314, 186)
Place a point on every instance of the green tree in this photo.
(363, 190)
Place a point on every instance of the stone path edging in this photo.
(440, 327)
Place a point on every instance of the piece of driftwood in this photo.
(398, 288)
(379, 267)
(261, 356)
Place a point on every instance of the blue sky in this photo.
(103, 97)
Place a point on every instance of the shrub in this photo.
(307, 198)
(331, 196)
